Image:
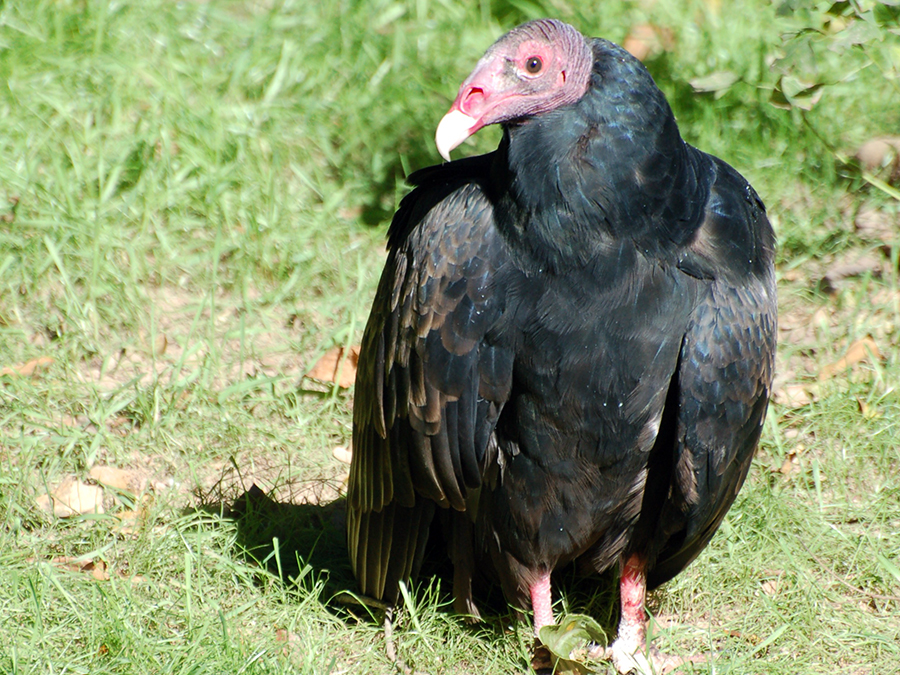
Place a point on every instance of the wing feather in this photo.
(726, 367)
(429, 384)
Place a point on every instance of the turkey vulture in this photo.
(571, 348)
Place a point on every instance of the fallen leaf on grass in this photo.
(29, 368)
(791, 463)
(128, 522)
(71, 498)
(717, 82)
(338, 365)
(793, 395)
(857, 352)
(875, 224)
(792, 92)
(160, 344)
(867, 411)
(342, 454)
(10, 207)
(770, 587)
(847, 268)
(790, 466)
(573, 633)
(96, 568)
(881, 155)
(645, 40)
(290, 640)
(119, 479)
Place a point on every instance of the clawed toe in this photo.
(651, 662)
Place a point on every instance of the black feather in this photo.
(581, 326)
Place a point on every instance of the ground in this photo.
(193, 203)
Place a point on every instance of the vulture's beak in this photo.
(454, 128)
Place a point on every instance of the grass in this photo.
(193, 200)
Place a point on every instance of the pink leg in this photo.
(629, 652)
(542, 606)
(542, 602)
(632, 593)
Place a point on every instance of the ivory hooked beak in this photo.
(453, 129)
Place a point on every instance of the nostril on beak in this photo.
(473, 96)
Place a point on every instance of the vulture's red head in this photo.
(536, 67)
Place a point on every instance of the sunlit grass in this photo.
(193, 201)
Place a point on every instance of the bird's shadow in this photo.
(289, 539)
(295, 540)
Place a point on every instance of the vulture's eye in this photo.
(534, 64)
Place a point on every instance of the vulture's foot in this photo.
(641, 661)
(629, 652)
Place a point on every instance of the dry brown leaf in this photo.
(791, 463)
(857, 352)
(160, 344)
(772, 581)
(342, 454)
(120, 479)
(789, 466)
(793, 395)
(96, 568)
(29, 368)
(11, 203)
(646, 40)
(881, 156)
(875, 224)
(846, 268)
(290, 640)
(338, 365)
(770, 587)
(867, 411)
(129, 521)
(72, 497)
(863, 407)
(72, 421)
(821, 317)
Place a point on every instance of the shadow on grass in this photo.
(293, 541)
(310, 534)
(289, 539)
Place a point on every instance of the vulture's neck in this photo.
(578, 183)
